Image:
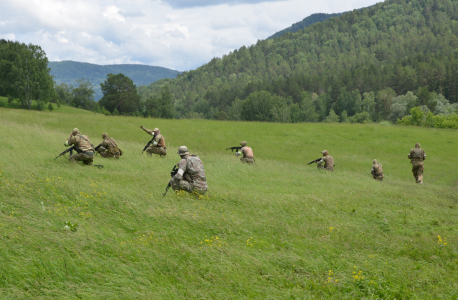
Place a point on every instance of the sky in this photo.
(175, 34)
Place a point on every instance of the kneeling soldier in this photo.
(327, 160)
(377, 171)
(191, 173)
(158, 142)
(108, 148)
(247, 152)
(85, 148)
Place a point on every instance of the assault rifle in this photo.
(97, 148)
(237, 149)
(149, 143)
(314, 161)
(68, 150)
(172, 174)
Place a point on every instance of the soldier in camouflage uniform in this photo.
(108, 148)
(247, 152)
(327, 160)
(191, 174)
(377, 171)
(158, 145)
(417, 156)
(86, 149)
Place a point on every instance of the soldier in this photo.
(191, 174)
(158, 145)
(108, 148)
(328, 162)
(247, 152)
(86, 149)
(417, 156)
(377, 171)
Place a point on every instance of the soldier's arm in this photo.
(424, 155)
(147, 130)
(71, 141)
(181, 169)
(410, 155)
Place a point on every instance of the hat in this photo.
(155, 129)
(75, 131)
(243, 143)
(417, 145)
(325, 152)
(183, 150)
(104, 135)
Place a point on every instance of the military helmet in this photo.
(417, 145)
(183, 150)
(156, 129)
(325, 152)
(75, 131)
(243, 143)
(374, 162)
(104, 135)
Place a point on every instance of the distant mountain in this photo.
(70, 71)
(310, 20)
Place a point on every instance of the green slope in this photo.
(70, 71)
(277, 230)
(306, 22)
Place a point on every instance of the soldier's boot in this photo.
(420, 179)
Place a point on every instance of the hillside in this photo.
(306, 22)
(276, 230)
(388, 49)
(70, 71)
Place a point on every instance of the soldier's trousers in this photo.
(86, 159)
(248, 160)
(417, 171)
(109, 153)
(183, 185)
(156, 150)
(319, 166)
(378, 176)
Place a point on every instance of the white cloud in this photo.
(175, 34)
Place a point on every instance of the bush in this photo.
(50, 107)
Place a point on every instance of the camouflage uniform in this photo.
(82, 142)
(377, 171)
(158, 145)
(108, 148)
(417, 156)
(248, 156)
(327, 160)
(191, 174)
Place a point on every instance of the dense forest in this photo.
(350, 67)
(310, 20)
(69, 72)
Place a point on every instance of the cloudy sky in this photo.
(176, 34)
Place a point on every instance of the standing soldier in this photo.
(247, 152)
(327, 160)
(85, 148)
(191, 173)
(417, 156)
(377, 171)
(158, 142)
(108, 148)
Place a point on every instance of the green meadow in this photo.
(279, 229)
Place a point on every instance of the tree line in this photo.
(387, 50)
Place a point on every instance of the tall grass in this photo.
(276, 230)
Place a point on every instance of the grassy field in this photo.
(276, 230)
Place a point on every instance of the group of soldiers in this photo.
(190, 175)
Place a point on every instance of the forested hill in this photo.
(386, 50)
(310, 20)
(70, 71)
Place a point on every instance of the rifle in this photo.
(173, 173)
(67, 150)
(237, 149)
(314, 161)
(97, 148)
(149, 143)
